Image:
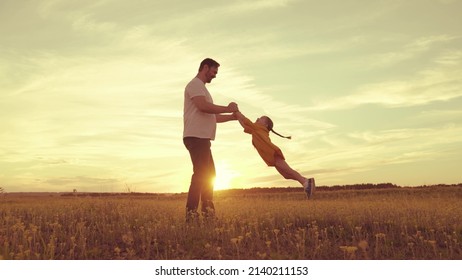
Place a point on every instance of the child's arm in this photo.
(245, 122)
(240, 117)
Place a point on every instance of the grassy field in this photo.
(401, 223)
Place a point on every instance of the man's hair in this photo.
(209, 62)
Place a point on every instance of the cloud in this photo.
(439, 116)
(103, 110)
(409, 51)
(441, 82)
(88, 182)
(450, 58)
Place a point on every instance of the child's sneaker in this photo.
(309, 187)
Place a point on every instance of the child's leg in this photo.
(287, 172)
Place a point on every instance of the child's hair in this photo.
(270, 125)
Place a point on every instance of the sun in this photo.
(225, 176)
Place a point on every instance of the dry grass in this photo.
(422, 223)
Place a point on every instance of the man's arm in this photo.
(225, 118)
(210, 108)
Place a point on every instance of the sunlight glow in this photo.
(225, 176)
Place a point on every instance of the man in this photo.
(200, 117)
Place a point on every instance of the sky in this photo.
(91, 92)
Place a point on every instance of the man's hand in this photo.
(232, 107)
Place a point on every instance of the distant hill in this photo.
(269, 190)
(366, 186)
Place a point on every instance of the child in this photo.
(270, 153)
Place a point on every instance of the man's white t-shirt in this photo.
(196, 123)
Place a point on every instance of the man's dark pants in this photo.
(201, 187)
